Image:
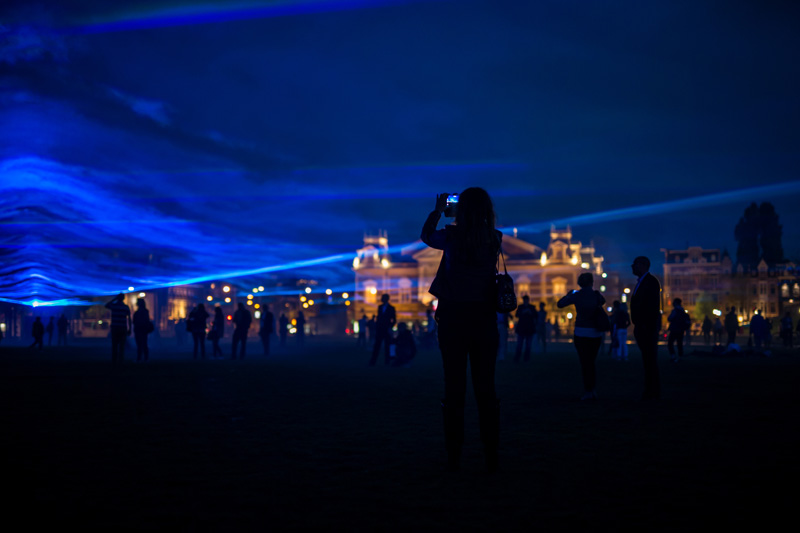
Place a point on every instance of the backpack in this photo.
(506, 300)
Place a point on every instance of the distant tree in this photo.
(704, 306)
(746, 234)
(770, 234)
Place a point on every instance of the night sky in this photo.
(149, 143)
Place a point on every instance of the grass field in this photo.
(313, 438)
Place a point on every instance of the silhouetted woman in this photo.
(217, 331)
(588, 339)
(197, 324)
(141, 329)
(465, 287)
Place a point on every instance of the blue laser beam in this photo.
(626, 213)
(206, 14)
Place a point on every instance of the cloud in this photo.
(153, 109)
(25, 44)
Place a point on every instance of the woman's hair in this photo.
(141, 303)
(475, 220)
(585, 280)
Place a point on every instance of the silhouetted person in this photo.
(283, 325)
(63, 326)
(196, 325)
(556, 330)
(120, 327)
(786, 330)
(431, 333)
(731, 325)
(706, 329)
(621, 322)
(759, 329)
(141, 329)
(679, 323)
(587, 336)
(37, 331)
(267, 328)
(241, 321)
(526, 327)
(502, 333)
(301, 328)
(646, 317)
(362, 332)
(719, 329)
(217, 332)
(405, 347)
(467, 320)
(51, 326)
(387, 318)
(540, 336)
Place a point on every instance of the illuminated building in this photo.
(544, 274)
(705, 279)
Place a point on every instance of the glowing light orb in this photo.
(345, 295)
(227, 300)
(308, 290)
(226, 289)
(328, 292)
(209, 298)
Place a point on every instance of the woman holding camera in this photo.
(588, 338)
(465, 287)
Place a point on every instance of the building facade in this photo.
(708, 284)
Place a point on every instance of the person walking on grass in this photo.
(120, 328)
(587, 337)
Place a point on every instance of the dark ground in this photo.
(313, 438)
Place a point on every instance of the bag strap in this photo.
(497, 268)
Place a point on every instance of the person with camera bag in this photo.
(466, 314)
(589, 328)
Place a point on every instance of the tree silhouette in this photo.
(746, 234)
(759, 236)
(771, 233)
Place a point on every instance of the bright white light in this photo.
(209, 298)
(227, 300)
(255, 289)
(130, 289)
(543, 259)
(308, 290)
(257, 314)
(345, 295)
(624, 298)
(385, 263)
(260, 288)
(717, 312)
(602, 288)
(609, 309)
(604, 275)
(293, 330)
(373, 290)
(574, 260)
(569, 316)
(355, 262)
(249, 296)
(584, 265)
(141, 295)
(303, 298)
(328, 292)
(226, 289)
(626, 290)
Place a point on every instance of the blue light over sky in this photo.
(150, 143)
